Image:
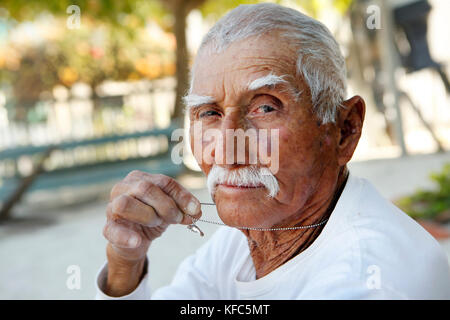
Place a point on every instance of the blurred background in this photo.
(90, 90)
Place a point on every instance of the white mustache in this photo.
(250, 176)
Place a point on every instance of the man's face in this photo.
(307, 153)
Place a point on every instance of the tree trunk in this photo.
(182, 59)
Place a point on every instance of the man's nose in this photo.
(231, 151)
(232, 119)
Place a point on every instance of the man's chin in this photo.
(242, 219)
(237, 205)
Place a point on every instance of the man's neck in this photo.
(269, 250)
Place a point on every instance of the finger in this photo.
(183, 198)
(152, 195)
(127, 183)
(129, 208)
(138, 185)
(118, 189)
(121, 236)
(188, 219)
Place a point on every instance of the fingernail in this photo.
(192, 207)
(133, 241)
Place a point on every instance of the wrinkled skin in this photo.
(312, 156)
(312, 164)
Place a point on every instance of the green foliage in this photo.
(313, 7)
(111, 44)
(91, 54)
(342, 5)
(426, 204)
(106, 10)
(216, 9)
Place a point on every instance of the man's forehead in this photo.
(218, 87)
(241, 80)
(243, 61)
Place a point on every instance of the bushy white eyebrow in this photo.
(265, 81)
(272, 80)
(194, 100)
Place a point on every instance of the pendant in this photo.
(195, 229)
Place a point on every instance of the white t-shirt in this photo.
(369, 249)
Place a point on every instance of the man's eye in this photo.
(209, 113)
(266, 108)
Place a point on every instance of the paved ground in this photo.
(45, 238)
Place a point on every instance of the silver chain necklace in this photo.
(194, 228)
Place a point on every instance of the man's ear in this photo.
(349, 127)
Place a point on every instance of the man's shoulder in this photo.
(390, 242)
(378, 219)
(376, 251)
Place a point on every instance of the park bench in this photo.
(15, 185)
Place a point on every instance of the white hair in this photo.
(268, 80)
(319, 59)
(244, 176)
(194, 100)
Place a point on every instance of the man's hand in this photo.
(141, 208)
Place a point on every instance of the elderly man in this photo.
(304, 229)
